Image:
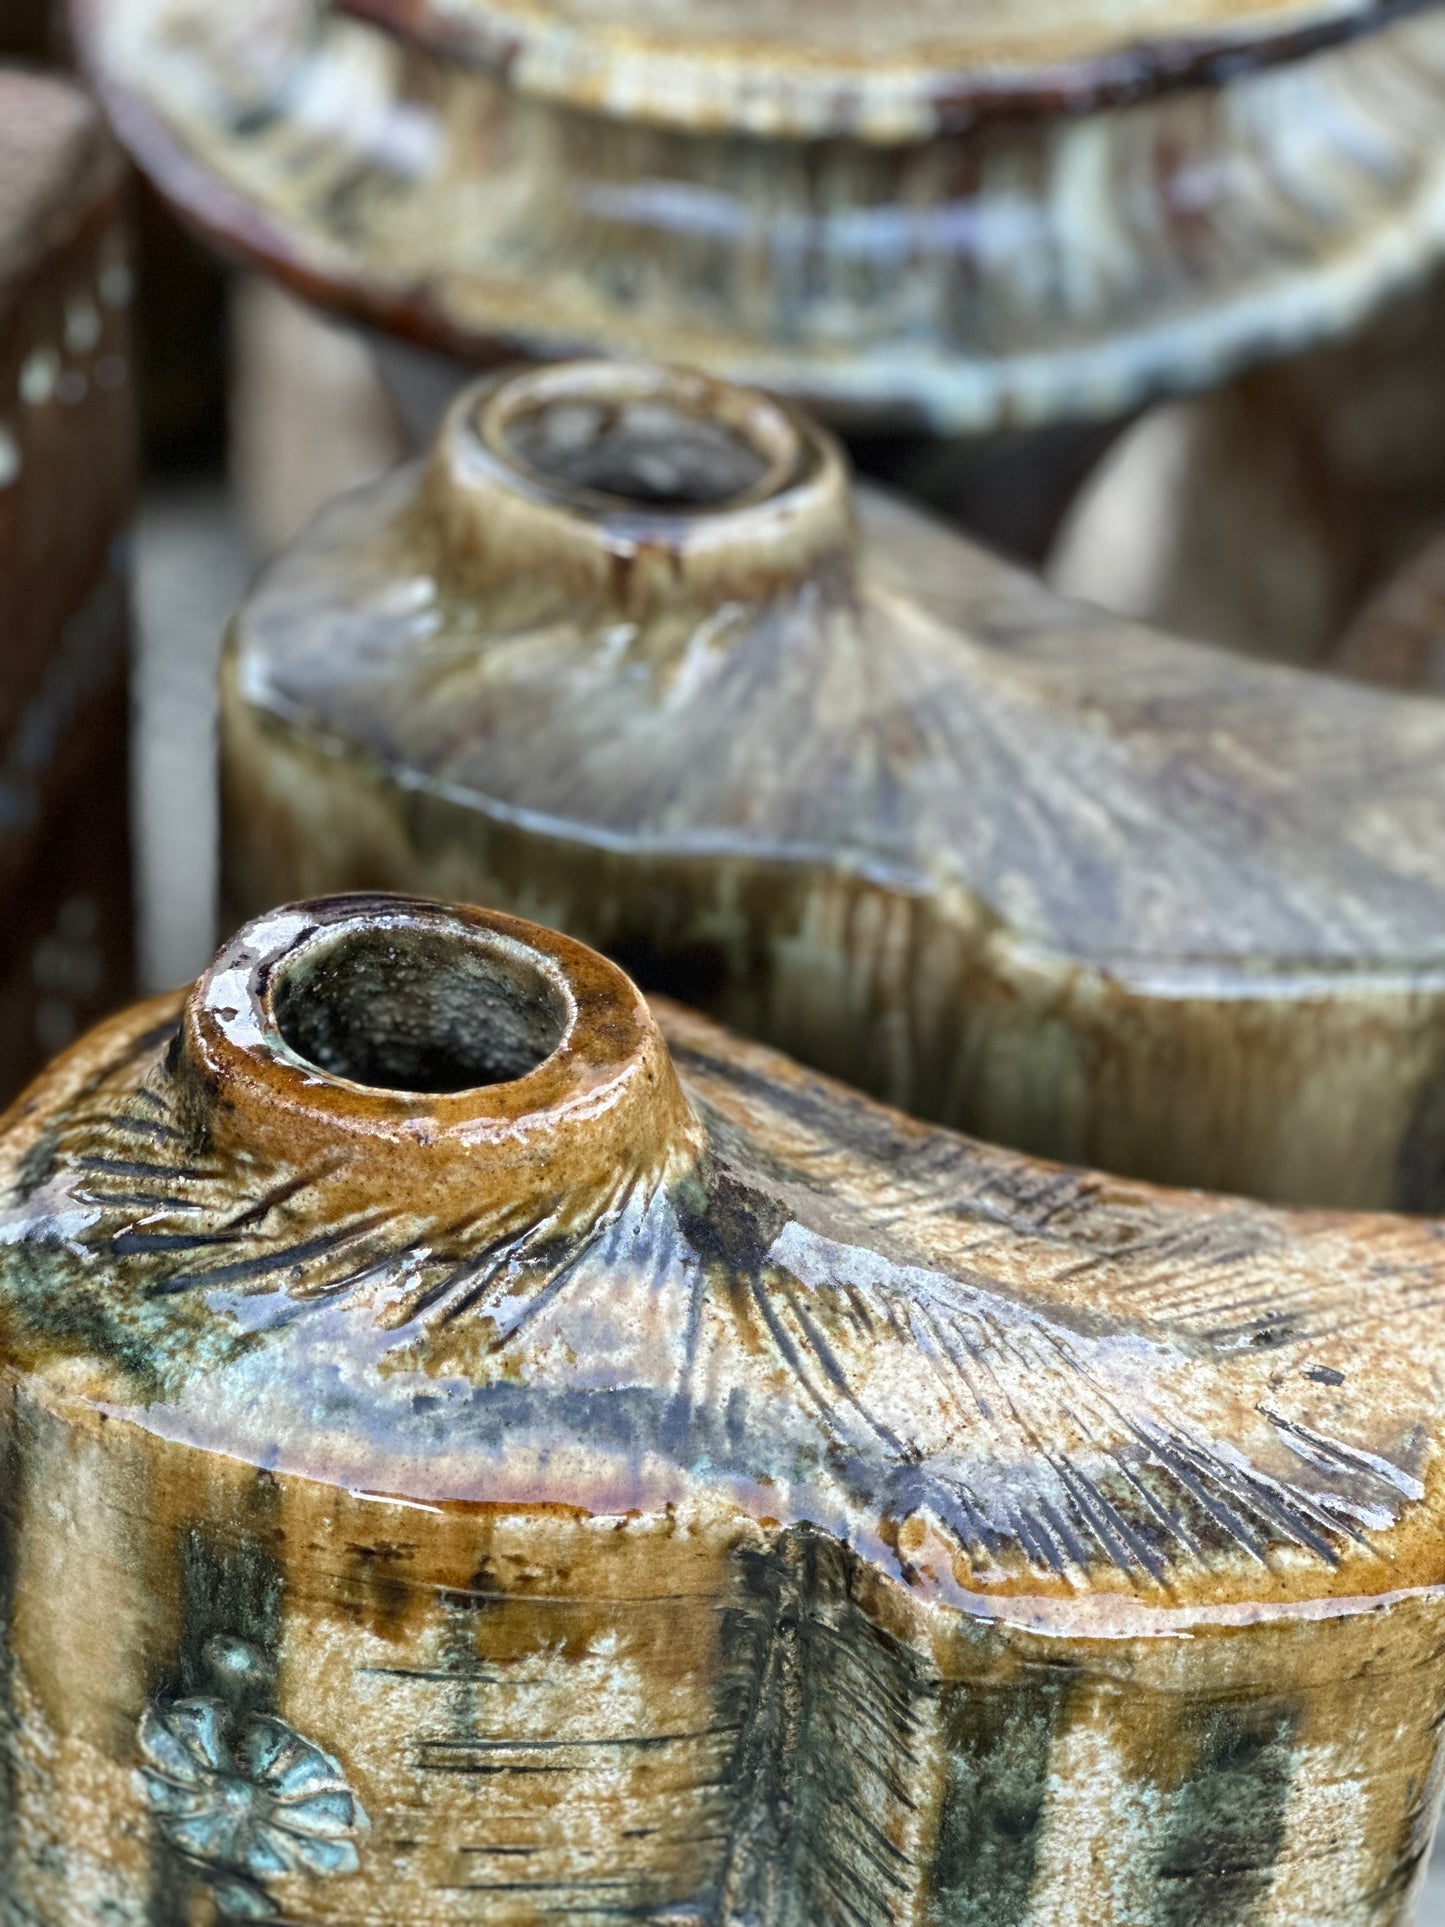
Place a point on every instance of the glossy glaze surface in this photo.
(1025, 268)
(664, 1485)
(806, 758)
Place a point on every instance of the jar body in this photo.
(1319, 1091)
(494, 1713)
(1019, 269)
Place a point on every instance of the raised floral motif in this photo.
(245, 1798)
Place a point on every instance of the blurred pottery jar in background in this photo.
(67, 495)
(1009, 226)
(478, 1448)
(629, 654)
(1269, 516)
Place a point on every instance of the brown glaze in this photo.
(480, 1450)
(804, 757)
(67, 486)
(862, 244)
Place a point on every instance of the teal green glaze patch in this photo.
(998, 1742)
(1227, 1821)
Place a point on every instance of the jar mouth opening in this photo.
(417, 1008)
(618, 437)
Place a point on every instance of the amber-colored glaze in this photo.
(629, 655)
(964, 218)
(67, 495)
(478, 1449)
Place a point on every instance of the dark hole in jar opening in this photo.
(418, 1010)
(647, 453)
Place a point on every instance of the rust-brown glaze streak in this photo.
(475, 1442)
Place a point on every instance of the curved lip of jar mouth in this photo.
(790, 449)
(233, 1035)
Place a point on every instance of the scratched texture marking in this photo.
(666, 1486)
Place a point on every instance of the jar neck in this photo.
(443, 1063)
(631, 491)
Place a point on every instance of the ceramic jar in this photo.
(963, 218)
(629, 654)
(479, 1448)
(67, 495)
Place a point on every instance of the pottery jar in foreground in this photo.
(478, 1449)
(629, 655)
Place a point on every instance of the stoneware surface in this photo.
(67, 487)
(627, 655)
(520, 176)
(480, 1450)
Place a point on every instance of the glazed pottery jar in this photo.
(628, 655)
(478, 1449)
(67, 494)
(944, 213)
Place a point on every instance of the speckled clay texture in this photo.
(662, 1485)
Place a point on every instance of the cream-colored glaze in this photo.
(813, 68)
(1026, 268)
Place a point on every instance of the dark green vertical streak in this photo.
(761, 1698)
(230, 1587)
(834, 1722)
(1226, 1822)
(230, 1584)
(998, 1741)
